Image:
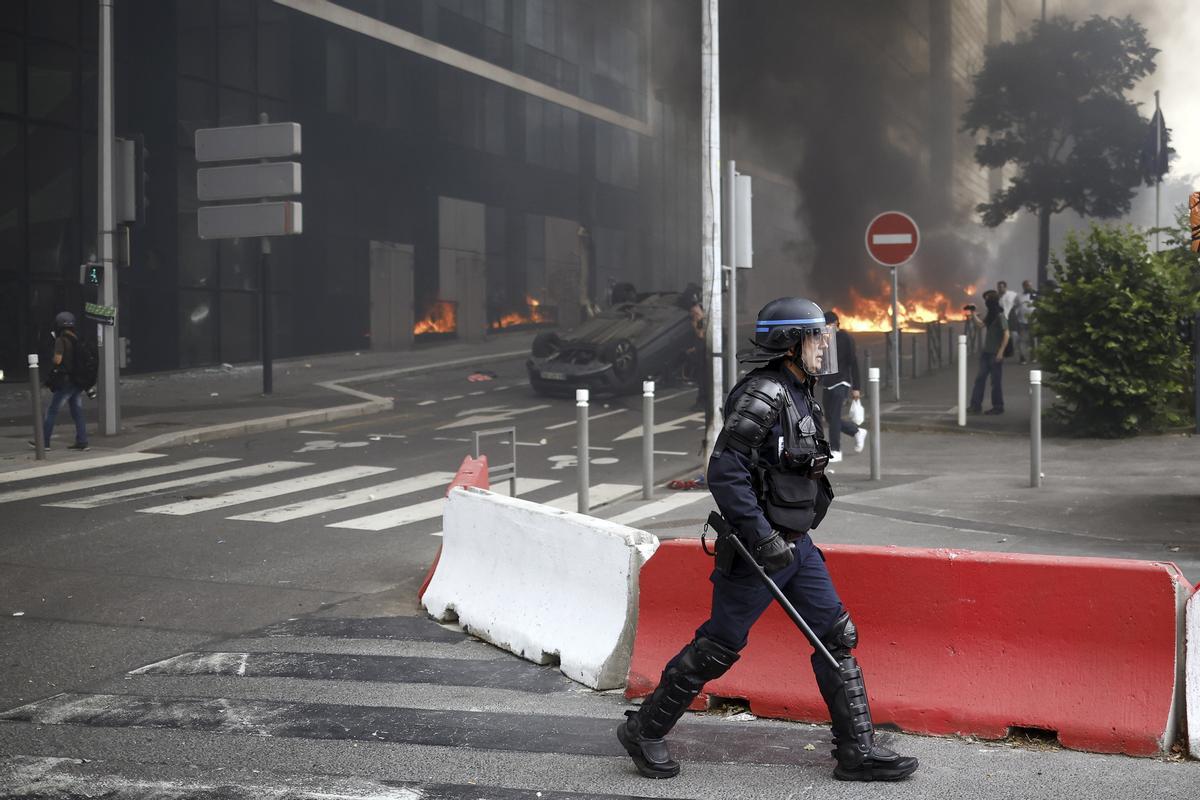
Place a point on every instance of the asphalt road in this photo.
(238, 619)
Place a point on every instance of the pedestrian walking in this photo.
(73, 372)
(767, 477)
(838, 387)
(1025, 301)
(991, 360)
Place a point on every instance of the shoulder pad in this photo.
(754, 414)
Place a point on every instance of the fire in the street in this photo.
(875, 314)
(442, 318)
(534, 314)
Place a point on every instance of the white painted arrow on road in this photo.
(486, 416)
(664, 427)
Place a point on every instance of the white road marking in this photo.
(370, 494)
(252, 471)
(430, 509)
(426, 402)
(394, 518)
(668, 453)
(659, 507)
(891, 238)
(486, 416)
(598, 495)
(43, 489)
(663, 427)
(265, 491)
(318, 433)
(671, 396)
(74, 466)
(453, 397)
(590, 419)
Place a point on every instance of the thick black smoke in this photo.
(844, 90)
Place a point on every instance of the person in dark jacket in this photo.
(840, 386)
(59, 380)
(772, 438)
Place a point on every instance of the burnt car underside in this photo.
(616, 350)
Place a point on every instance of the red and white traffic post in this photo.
(892, 239)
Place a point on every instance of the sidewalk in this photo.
(161, 409)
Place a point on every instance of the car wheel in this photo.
(546, 344)
(622, 354)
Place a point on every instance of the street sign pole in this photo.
(265, 290)
(895, 335)
(109, 419)
(731, 223)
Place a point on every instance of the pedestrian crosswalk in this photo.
(348, 498)
(404, 707)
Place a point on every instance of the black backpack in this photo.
(85, 363)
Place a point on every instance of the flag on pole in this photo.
(1156, 150)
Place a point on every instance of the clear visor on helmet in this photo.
(818, 352)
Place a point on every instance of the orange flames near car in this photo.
(442, 318)
(875, 314)
(534, 315)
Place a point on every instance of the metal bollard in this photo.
(962, 379)
(914, 356)
(1035, 429)
(647, 440)
(873, 381)
(582, 450)
(35, 392)
(867, 359)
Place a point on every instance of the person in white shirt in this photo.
(1008, 298)
(1024, 344)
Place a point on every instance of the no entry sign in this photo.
(892, 238)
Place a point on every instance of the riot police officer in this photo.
(767, 477)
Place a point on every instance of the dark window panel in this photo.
(54, 19)
(239, 326)
(10, 74)
(339, 76)
(274, 56)
(235, 54)
(197, 257)
(197, 328)
(196, 37)
(12, 197)
(197, 109)
(53, 77)
(53, 200)
(239, 263)
(13, 18)
(236, 108)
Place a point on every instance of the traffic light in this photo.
(91, 273)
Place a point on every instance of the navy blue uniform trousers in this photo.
(740, 598)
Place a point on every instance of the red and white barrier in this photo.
(1192, 670)
(472, 472)
(957, 642)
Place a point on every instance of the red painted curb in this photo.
(954, 641)
(472, 472)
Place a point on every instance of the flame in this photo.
(875, 314)
(442, 318)
(533, 315)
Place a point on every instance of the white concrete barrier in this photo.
(541, 583)
(1191, 680)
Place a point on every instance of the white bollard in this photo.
(647, 440)
(35, 393)
(873, 382)
(1035, 428)
(962, 379)
(583, 450)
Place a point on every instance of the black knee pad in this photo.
(707, 660)
(842, 637)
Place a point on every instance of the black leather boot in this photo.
(684, 676)
(858, 757)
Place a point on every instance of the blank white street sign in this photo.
(248, 181)
(250, 219)
(248, 142)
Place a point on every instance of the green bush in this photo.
(1109, 337)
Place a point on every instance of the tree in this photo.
(1110, 336)
(1053, 104)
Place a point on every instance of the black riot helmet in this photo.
(790, 321)
(63, 320)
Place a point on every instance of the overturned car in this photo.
(612, 353)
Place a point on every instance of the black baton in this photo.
(727, 530)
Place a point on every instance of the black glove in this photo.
(773, 553)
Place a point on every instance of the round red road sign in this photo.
(892, 238)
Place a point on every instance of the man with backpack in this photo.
(73, 372)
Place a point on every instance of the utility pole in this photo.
(110, 423)
(1158, 120)
(710, 226)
